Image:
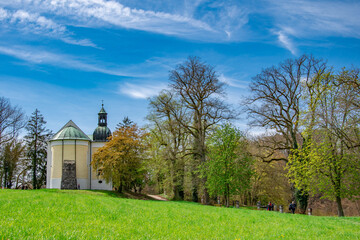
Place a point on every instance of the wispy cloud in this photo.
(309, 20)
(38, 56)
(314, 18)
(141, 90)
(91, 13)
(232, 82)
(230, 16)
(289, 22)
(152, 68)
(286, 42)
(33, 23)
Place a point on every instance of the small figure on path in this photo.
(270, 207)
(292, 207)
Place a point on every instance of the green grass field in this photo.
(61, 214)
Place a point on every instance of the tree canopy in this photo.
(229, 167)
(121, 160)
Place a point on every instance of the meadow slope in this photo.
(67, 214)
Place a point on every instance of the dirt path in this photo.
(157, 197)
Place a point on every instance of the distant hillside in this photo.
(80, 214)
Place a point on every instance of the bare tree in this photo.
(12, 119)
(275, 103)
(199, 89)
(348, 81)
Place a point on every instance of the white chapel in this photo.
(70, 153)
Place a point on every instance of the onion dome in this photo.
(70, 132)
(102, 132)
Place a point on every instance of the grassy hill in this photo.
(61, 214)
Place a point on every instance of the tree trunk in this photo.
(176, 191)
(120, 190)
(302, 198)
(339, 206)
(227, 195)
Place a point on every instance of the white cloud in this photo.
(201, 20)
(232, 82)
(39, 56)
(33, 23)
(304, 18)
(111, 13)
(153, 68)
(139, 91)
(286, 42)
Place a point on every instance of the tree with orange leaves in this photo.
(121, 160)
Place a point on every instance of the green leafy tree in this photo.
(229, 167)
(36, 144)
(196, 86)
(122, 159)
(328, 162)
(171, 142)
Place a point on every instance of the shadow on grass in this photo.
(115, 194)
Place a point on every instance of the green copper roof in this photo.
(101, 134)
(70, 131)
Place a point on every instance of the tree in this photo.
(229, 167)
(125, 122)
(171, 141)
(270, 181)
(329, 162)
(12, 153)
(121, 160)
(198, 89)
(36, 143)
(11, 120)
(275, 104)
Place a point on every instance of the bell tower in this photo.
(102, 117)
(102, 132)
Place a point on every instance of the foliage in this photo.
(36, 147)
(329, 162)
(125, 122)
(229, 166)
(275, 103)
(197, 88)
(122, 160)
(79, 214)
(170, 142)
(270, 183)
(9, 161)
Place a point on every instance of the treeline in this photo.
(22, 160)
(192, 151)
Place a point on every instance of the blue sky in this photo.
(65, 56)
